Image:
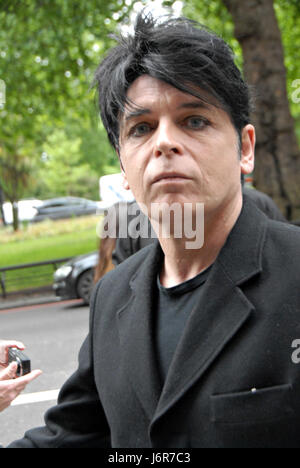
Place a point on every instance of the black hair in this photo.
(180, 52)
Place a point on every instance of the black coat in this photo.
(232, 382)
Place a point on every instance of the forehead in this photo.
(145, 85)
(150, 96)
(147, 91)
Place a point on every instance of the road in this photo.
(53, 334)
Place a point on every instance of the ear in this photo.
(125, 181)
(247, 150)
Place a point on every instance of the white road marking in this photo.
(27, 398)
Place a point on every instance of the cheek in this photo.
(133, 176)
(219, 163)
(135, 162)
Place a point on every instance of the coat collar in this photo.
(207, 331)
(135, 322)
(240, 257)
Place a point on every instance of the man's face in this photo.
(174, 148)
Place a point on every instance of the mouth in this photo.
(170, 177)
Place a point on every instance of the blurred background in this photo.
(58, 173)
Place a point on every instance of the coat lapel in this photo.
(210, 327)
(135, 322)
(223, 310)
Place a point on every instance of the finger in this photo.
(26, 379)
(11, 343)
(17, 344)
(4, 345)
(9, 372)
(19, 384)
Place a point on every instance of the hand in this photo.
(4, 345)
(11, 387)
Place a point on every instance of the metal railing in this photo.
(31, 276)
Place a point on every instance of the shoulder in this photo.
(264, 203)
(114, 289)
(283, 245)
(284, 231)
(123, 272)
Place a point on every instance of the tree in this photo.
(49, 50)
(1, 205)
(15, 173)
(277, 152)
(63, 173)
(251, 28)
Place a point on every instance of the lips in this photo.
(169, 175)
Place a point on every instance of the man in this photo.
(187, 347)
(10, 385)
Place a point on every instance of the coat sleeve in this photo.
(78, 420)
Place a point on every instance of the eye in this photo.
(140, 129)
(196, 122)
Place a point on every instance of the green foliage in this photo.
(71, 162)
(44, 241)
(49, 50)
(214, 15)
(288, 12)
(46, 229)
(63, 174)
(56, 240)
(94, 142)
(43, 249)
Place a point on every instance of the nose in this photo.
(167, 141)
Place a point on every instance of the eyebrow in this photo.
(137, 113)
(193, 105)
(186, 105)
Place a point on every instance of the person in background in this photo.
(263, 202)
(115, 227)
(10, 385)
(126, 246)
(107, 245)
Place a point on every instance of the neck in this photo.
(181, 262)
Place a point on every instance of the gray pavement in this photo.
(27, 299)
(13, 303)
(53, 334)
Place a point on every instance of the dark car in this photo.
(75, 279)
(65, 207)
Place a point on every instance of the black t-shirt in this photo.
(174, 306)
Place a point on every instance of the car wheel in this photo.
(85, 285)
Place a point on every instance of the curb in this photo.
(25, 301)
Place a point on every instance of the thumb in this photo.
(9, 372)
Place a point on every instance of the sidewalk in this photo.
(27, 298)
